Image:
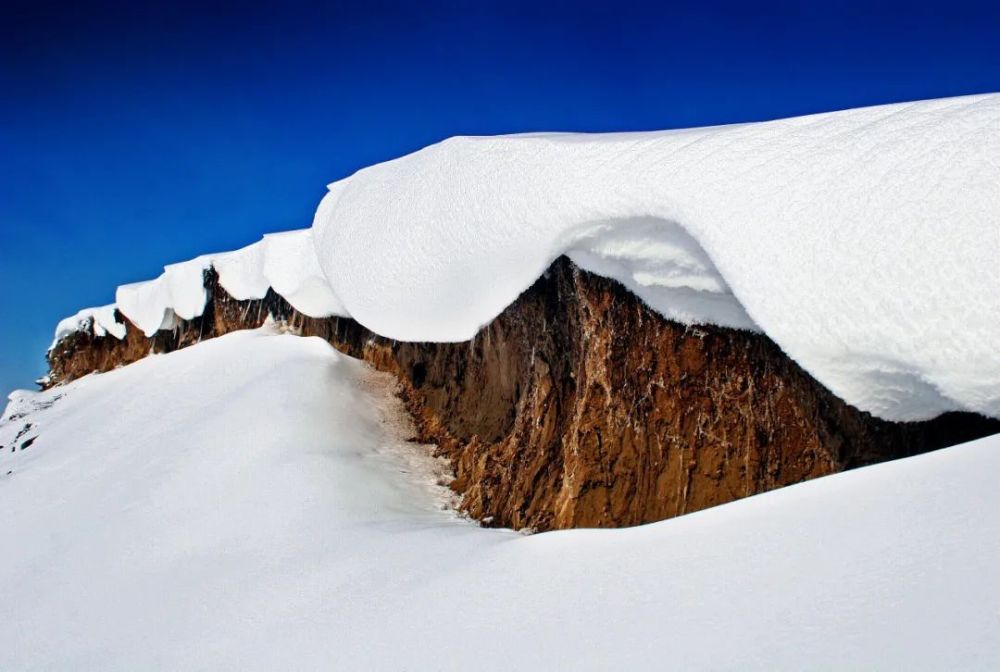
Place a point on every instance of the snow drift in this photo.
(101, 321)
(863, 242)
(579, 406)
(241, 504)
(285, 262)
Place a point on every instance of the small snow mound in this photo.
(99, 321)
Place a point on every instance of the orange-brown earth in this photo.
(579, 406)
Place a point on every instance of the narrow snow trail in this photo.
(246, 504)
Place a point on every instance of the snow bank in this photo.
(239, 504)
(863, 242)
(285, 262)
(100, 321)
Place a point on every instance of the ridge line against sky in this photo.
(139, 134)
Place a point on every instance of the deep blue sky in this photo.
(133, 135)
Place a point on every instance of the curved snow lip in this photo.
(863, 242)
(100, 321)
(285, 262)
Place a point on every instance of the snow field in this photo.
(251, 502)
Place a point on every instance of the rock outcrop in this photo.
(578, 406)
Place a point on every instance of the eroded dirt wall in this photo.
(578, 406)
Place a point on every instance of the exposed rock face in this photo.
(578, 406)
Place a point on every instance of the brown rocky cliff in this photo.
(579, 406)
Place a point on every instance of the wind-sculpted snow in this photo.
(100, 320)
(251, 503)
(864, 242)
(285, 262)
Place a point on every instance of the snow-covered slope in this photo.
(864, 242)
(246, 503)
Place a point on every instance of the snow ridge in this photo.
(285, 262)
(101, 321)
(863, 242)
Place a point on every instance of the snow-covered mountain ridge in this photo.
(656, 324)
(579, 406)
(863, 242)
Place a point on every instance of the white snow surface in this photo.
(100, 321)
(248, 503)
(864, 242)
(285, 262)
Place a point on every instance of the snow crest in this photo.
(101, 321)
(285, 262)
(863, 242)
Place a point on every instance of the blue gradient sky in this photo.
(133, 135)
